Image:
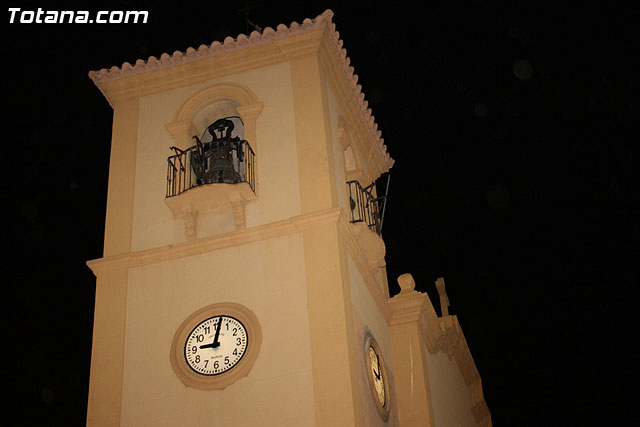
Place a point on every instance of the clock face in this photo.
(377, 375)
(216, 345)
(378, 378)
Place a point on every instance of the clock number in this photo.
(200, 350)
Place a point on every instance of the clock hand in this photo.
(216, 342)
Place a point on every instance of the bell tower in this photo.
(243, 279)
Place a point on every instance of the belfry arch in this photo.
(185, 122)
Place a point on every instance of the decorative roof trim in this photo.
(256, 38)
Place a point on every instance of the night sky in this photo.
(513, 180)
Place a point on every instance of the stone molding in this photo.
(207, 244)
(371, 245)
(440, 334)
(317, 36)
(355, 108)
(182, 132)
(182, 128)
(240, 93)
(345, 138)
(190, 204)
(357, 250)
(250, 235)
(229, 44)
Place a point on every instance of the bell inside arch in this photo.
(219, 155)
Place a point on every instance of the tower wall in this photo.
(369, 319)
(277, 160)
(280, 385)
(449, 392)
(334, 113)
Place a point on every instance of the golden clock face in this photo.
(378, 379)
(377, 374)
(216, 345)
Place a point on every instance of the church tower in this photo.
(243, 279)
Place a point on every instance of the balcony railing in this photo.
(364, 206)
(188, 168)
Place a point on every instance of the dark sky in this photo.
(508, 123)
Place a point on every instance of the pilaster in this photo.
(122, 166)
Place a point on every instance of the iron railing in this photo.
(364, 206)
(181, 175)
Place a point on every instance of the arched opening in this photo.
(215, 139)
(213, 167)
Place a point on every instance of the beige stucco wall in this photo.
(449, 393)
(279, 388)
(153, 223)
(334, 113)
(368, 319)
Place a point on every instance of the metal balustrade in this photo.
(364, 206)
(186, 168)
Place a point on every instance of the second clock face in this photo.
(378, 378)
(216, 345)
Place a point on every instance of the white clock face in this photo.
(378, 379)
(216, 345)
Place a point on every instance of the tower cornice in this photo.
(316, 36)
(180, 250)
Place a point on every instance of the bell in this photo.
(213, 162)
